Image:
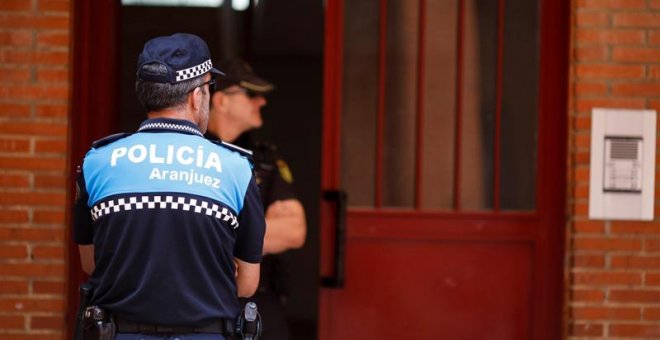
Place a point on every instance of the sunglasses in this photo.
(212, 85)
(249, 93)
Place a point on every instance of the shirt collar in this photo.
(170, 125)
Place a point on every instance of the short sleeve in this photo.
(251, 227)
(282, 185)
(82, 218)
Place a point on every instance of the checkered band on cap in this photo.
(164, 202)
(194, 71)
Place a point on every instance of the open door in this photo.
(443, 169)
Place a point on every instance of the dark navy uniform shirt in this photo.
(167, 212)
(275, 183)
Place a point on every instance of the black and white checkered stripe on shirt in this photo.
(169, 126)
(164, 202)
(194, 71)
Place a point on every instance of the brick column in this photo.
(34, 95)
(614, 268)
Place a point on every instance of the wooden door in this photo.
(444, 169)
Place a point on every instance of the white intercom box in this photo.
(622, 170)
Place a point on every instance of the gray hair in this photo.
(158, 96)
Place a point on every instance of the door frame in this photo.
(548, 321)
(93, 111)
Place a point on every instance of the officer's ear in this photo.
(195, 98)
(218, 99)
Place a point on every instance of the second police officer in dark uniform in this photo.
(170, 225)
(235, 110)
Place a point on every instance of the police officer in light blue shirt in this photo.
(170, 225)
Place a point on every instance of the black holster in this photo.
(97, 324)
(248, 325)
(92, 322)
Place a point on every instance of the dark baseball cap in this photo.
(238, 72)
(186, 56)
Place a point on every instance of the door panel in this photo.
(452, 153)
(441, 278)
(431, 276)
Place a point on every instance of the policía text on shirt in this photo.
(183, 155)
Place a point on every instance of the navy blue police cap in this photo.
(186, 56)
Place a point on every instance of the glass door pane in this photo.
(401, 46)
(360, 101)
(519, 106)
(439, 140)
(439, 104)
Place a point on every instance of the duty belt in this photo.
(224, 327)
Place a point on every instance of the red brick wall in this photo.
(614, 275)
(34, 90)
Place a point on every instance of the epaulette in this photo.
(265, 152)
(263, 146)
(109, 139)
(244, 152)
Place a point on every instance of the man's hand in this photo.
(286, 227)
